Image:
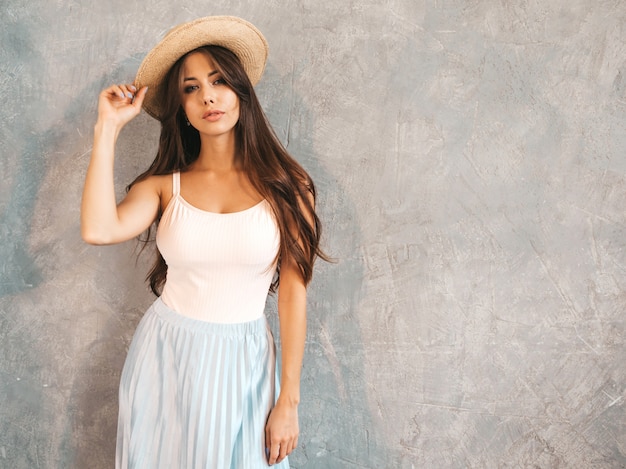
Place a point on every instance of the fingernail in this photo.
(130, 95)
(132, 87)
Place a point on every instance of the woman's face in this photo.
(210, 105)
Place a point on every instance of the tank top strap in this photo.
(175, 183)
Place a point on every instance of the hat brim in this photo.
(237, 35)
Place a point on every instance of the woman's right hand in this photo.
(119, 104)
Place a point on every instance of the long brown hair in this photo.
(278, 177)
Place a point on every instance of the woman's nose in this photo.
(209, 95)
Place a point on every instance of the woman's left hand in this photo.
(281, 432)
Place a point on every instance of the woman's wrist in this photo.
(288, 399)
(106, 127)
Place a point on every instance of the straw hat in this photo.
(232, 33)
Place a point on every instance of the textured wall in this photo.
(470, 159)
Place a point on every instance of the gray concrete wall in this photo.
(470, 159)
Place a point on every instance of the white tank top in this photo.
(219, 265)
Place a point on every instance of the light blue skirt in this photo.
(195, 394)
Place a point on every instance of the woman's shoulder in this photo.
(163, 184)
(155, 181)
(159, 184)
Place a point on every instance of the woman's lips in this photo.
(212, 116)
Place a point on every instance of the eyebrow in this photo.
(194, 78)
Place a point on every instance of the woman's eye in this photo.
(189, 89)
(219, 81)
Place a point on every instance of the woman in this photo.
(236, 218)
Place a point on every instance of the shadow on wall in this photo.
(40, 425)
(121, 298)
(19, 137)
(337, 429)
(23, 169)
(90, 437)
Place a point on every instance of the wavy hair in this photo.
(275, 174)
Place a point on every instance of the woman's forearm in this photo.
(292, 317)
(98, 208)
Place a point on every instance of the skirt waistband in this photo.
(164, 312)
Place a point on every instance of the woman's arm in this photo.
(102, 220)
(282, 429)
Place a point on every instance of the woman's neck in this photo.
(216, 153)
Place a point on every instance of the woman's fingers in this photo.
(279, 450)
(115, 92)
(120, 103)
(285, 449)
(124, 92)
(139, 96)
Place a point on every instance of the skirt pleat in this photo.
(196, 395)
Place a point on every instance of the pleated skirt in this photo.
(195, 394)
